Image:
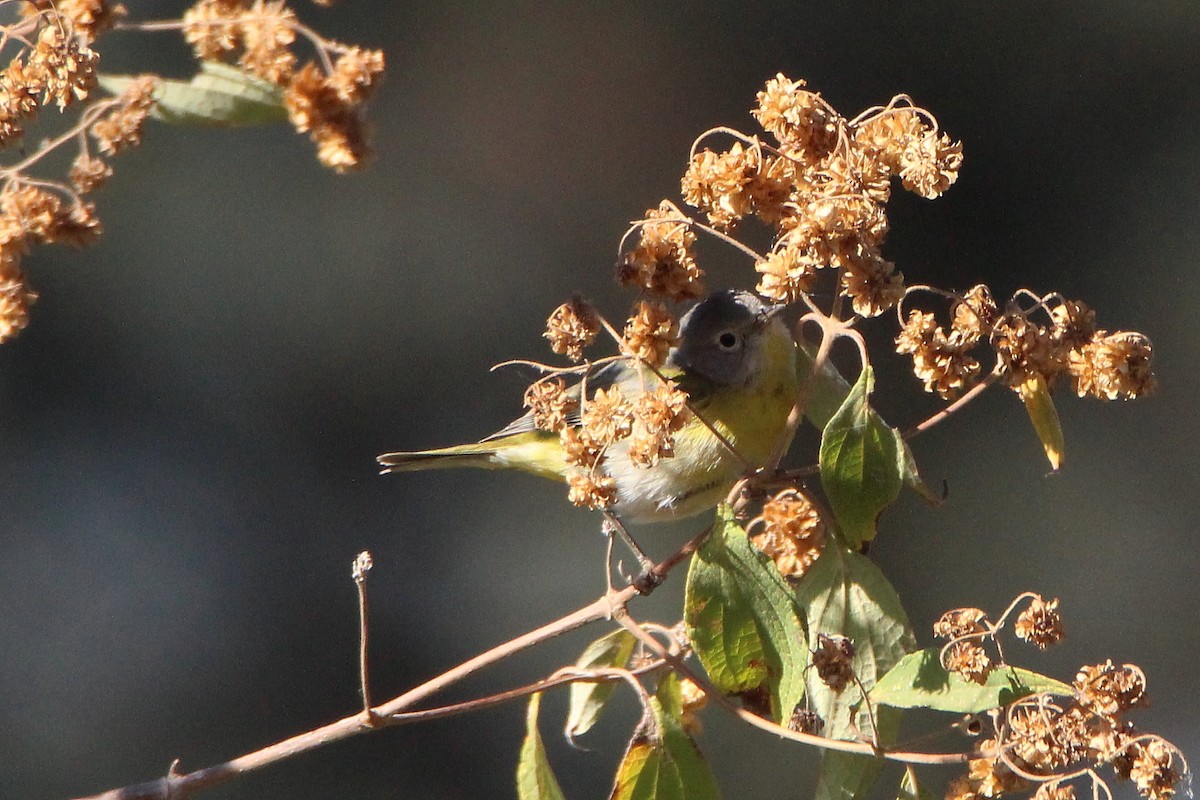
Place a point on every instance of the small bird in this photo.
(737, 362)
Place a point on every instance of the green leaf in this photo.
(860, 464)
(911, 788)
(535, 780)
(845, 594)
(1035, 393)
(664, 763)
(845, 776)
(743, 620)
(920, 681)
(219, 95)
(587, 698)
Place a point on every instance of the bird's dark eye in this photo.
(729, 340)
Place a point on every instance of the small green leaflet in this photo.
(920, 681)
(861, 460)
(535, 780)
(587, 698)
(219, 95)
(827, 395)
(845, 594)
(1042, 413)
(664, 764)
(743, 620)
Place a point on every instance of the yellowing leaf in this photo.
(1044, 416)
(588, 699)
(535, 780)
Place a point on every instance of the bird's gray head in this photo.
(720, 338)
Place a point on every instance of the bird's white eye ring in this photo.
(728, 340)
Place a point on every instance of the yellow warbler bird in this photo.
(737, 362)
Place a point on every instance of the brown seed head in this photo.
(930, 164)
(1055, 790)
(1120, 365)
(787, 273)
(1153, 770)
(657, 416)
(595, 491)
(650, 333)
(572, 327)
(579, 448)
(88, 173)
(969, 661)
(608, 416)
(87, 19)
(267, 30)
(211, 27)
(833, 661)
(1040, 623)
(662, 263)
(807, 129)
(793, 534)
(871, 283)
(122, 127)
(1109, 690)
(62, 65)
(15, 299)
(805, 720)
(886, 136)
(356, 74)
(959, 622)
(550, 403)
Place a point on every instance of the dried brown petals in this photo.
(89, 173)
(122, 127)
(833, 661)
(792, 533)
(608, 416)
(62, 65)
(1153, 769)
(787, 273)
(356, 74)
(807, 129)
(1040, 623)
(969, 660)
(657, 416)
(87, 18)
(662, 263)
(314, 107)
(650, 333)
(1055, 790)
(1109, 690)
(15, 299)
(212, 27)
(1114, 366)
(929, 165)
(267, 30)
(595, 491)
(579, 447)
(571, 327)
(871, 283)
(550, 403)
(959, 622)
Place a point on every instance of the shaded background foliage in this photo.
(191, 419)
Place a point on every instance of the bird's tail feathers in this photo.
(468, 455)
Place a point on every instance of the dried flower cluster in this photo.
(326, 104)
(643, 417)
(663, 264)
(967, 629)
(792, 533)
(822, 186)
(833, 660)
(1047, 740)
(1066, 342)
(52, 62)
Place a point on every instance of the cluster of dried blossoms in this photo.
(1049, 741)
(52, 61)
(324, 100)
(1053, 338)
(968, 629)
(790, 531)
(822, 185)
(638, 420)
(55, 65)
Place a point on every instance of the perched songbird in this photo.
(736, 361)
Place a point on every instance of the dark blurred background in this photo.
(191, 418)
